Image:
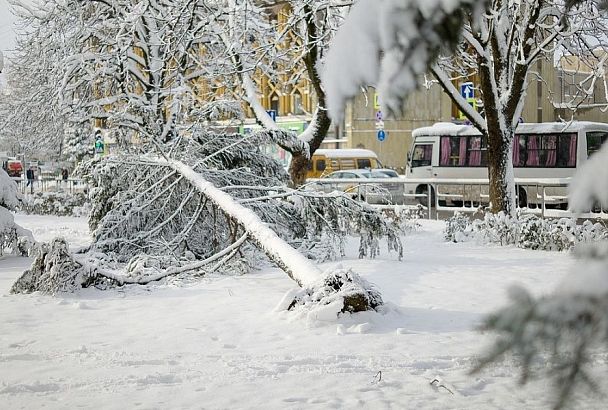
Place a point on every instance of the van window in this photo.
(595, 141)
(422, 155)
(320, 165)
(364, 163)
(347, 163)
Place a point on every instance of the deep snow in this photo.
(218, 343)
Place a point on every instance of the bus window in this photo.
(423, 153)
(463, 152)
(595, 140)
(544, 151)
(320, 165)
(477, 152)
(453, 151)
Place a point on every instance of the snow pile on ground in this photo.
(219, 343)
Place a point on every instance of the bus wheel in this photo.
(422, 190)
(522, 200)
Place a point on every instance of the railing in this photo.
(533, 195)
(53, 184)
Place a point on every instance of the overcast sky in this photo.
(7, 34)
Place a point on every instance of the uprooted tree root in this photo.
(341, 287)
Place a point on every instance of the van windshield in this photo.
(422, 155)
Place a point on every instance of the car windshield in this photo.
(365, 174)
(385, 174)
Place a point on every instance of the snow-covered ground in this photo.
(219, 344)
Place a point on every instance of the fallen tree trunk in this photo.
(358, 294)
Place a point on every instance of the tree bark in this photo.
(321, 121)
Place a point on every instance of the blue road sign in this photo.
(272, 114)
(467, 90)
(381, 135)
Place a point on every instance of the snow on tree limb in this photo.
(300, 269)
(389, 43)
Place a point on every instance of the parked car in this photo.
(393, 191)
(13, 168)
(391, 173)
(366, 189)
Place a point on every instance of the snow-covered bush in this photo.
(524, 231)
(54, 270)
(12, 236)
(458, 228)
(56, 203)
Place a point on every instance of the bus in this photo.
(542, 150)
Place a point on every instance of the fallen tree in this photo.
(209, 208)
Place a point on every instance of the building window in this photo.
(298, 109)
(274, 103)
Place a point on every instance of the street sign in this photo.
(467, 90)
(272, 114)
(99, 145)
(379, 125)
(381, 135)
(376, 101)
(379, 116)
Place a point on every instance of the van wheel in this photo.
(422, 190)
(522, 200)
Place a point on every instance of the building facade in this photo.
(556, 92)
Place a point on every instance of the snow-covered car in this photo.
(356, 189)
(367, 188)
(391, 192)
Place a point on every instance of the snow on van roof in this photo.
(448, 128)
(345, 153)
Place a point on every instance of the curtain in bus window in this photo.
(532, 151)
(475, 155)
(462, 153)
(551, 141)
(572, 151)
(516, 151)
(446, 149)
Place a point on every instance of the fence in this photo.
(53, 184)
(467, 194)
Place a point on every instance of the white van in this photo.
(544, 150)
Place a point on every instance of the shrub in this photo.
(56, 203)
(524, 231)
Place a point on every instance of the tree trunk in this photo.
(321, 121)
(500, 142)
(500, 170)
(314, 134)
